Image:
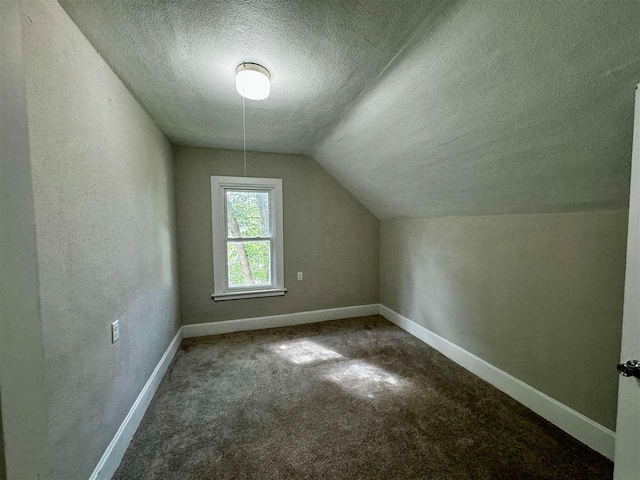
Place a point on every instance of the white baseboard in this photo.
(115, 451)
(591, 433)
(258, 323)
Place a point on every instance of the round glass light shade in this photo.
(253, 81)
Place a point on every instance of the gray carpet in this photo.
(348, 399)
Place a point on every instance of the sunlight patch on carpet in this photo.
(304, 352)
(365, 380)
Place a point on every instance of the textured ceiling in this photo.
(179, 57)
(418, 108)
(500, 107)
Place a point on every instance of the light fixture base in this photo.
(253, 81)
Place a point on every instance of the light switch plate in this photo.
(115, 331)
(300, 276)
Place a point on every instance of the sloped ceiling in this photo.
(420, 108)
(502, 107)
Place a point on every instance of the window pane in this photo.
(249, 263)
(247, 213)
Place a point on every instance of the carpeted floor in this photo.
(348, 399)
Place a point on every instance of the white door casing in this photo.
(627, 456)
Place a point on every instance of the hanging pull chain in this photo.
(244, 138)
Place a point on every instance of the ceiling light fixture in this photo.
(253, 81)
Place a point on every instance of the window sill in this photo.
(278, 292)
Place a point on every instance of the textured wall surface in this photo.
(24, 449)
(105, 227)
(538, 296)
(328, 235)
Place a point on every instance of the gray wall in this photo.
(538, 296)
(103, 191)
(328, 235)
(24, 397)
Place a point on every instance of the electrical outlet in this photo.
(300, 276)
(115, 331)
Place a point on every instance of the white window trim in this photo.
(220, 290)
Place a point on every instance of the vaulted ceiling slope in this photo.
(510, 106)
(420, 108)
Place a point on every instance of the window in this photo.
(247, 237)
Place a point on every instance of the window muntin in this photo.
(247, 237)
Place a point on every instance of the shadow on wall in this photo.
(432, 271)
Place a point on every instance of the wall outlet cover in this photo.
(115, 331)
(300, 276)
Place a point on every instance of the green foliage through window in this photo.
(248, 262)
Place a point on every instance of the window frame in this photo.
(219, 186)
